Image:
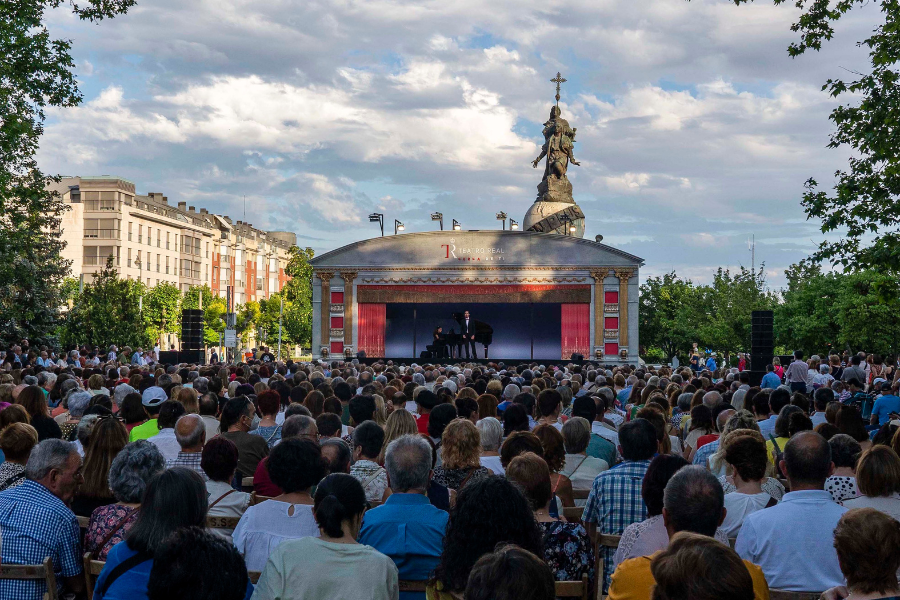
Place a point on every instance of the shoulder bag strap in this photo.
(277, 429)
(220, 498)
(468, 477)
(772, 502)
(12, 480)
(95, 555)
(372, 478)
(122, 568)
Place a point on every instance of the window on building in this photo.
(611, 323)
(129, 231)
(118, 256)
(611, 349)
(207, 249)
(337, 297)
(611, 297)
(167, 240)
(158, 238)
(337, 322)
(148, 281)
(196, 246)
(167, 265)
(149, 236)
(205, 272)
(104, 229)
(138, 262)
(140, 233)
(259, 284)
(129, 257)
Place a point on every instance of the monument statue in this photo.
(554, 210)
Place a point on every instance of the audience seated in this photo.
(488, 511)
(399, 423)
(152, 399)
(16, 442)
(368, 439)
(295, 466)
(510, 573)
(519, 443)
(878, 478)
(491, 432)
(745, 452)
(845, 452)
(567, 546)
(193, 563)
(129, 473)
(461, 455)
(169, 413)
(331, 564)
(598, 447)
(173, 499)
(190, 433)
(615, 500)
(219, 461)
(695, 567)
(580, 468)
(294, 426)
(36, 522)
(693, 502)
(792, 541)
(555, 456)
(867, 541)
(407, 527)
(237, 418)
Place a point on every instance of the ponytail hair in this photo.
(339, 497)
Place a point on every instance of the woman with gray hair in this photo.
(129, 473)
(77, 403)
(580, 468)
(491, 435)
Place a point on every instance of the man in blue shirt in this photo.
(886, 404)
(407, 528)
(770, 380)
(36, 521)
(711, 363)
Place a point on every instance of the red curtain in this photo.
(372, 318)
(576, 329)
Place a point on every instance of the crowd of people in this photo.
(345, 480)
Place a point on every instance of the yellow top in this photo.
(633, 580)
(436, 592)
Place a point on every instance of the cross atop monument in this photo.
(558, 80)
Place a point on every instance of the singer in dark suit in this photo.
(468, 332)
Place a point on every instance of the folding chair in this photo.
(573, 589)
(92, 569)
(42, 571)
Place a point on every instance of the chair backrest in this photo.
(222, 522)
(785, 595)
(42, 571)
(83, 522)
(573, 589)
(92, 568)
(256, 498)
(247, 482)
(573, 513)
(604, 540)
(254, 576)
(412, 586)
(580, 494)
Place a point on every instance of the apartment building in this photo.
(153, 241)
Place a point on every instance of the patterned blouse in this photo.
(568, 551)
(11, 475)
(373, 478)
(841, 487)
(105, 519)
(453, 478)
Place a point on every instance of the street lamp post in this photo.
(378, 218)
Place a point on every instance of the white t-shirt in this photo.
(738, 506)
(264, 526)
(493, 463)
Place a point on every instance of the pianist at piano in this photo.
(528, 295)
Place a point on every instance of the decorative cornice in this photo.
(325, 276)
(467, 269)
(339, 308)
(610, 307)
(481, 280)
(624, 274)
(600, 274)
(348, 276)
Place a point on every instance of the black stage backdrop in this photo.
(521, 331)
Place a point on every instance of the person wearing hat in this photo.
(152, 399)
(887, 403)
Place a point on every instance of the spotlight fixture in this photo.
(456, 225)
(567, 224)
(436, 216)
(398, 226)
(513, 224)
(378, 218)
(501, 216)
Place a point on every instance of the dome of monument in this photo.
(541, 210)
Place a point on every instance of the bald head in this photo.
(190, 431)
(722, 419)
(807, 461)
(710, 399)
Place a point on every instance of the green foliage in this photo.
(162, 309)
(35, 72)
(675, 313)
(298, 297)
(107, 312)
(835, 312)
(213, 311)
(863, 205)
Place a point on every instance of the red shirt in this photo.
(704, 439)
(422, 423)
(262, 483)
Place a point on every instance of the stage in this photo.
(544, 296)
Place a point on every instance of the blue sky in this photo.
(695, 128)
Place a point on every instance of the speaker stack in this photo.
(191, 336)
(762, 344)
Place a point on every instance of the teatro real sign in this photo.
(478, 253)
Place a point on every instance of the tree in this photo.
(298, 296)
(162, 309)
(247, 317)
(864, 202)
(669, 314)
(107, 312)
(729, 302)
(35, 72)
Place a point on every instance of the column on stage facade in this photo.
(325, 277)
(599, 299)
(623, 275)
(348, 277)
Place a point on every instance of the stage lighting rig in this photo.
(378, 218)
(513, 224)
(501, 216)
(456, 225)
(398, 226)
(436, 216)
